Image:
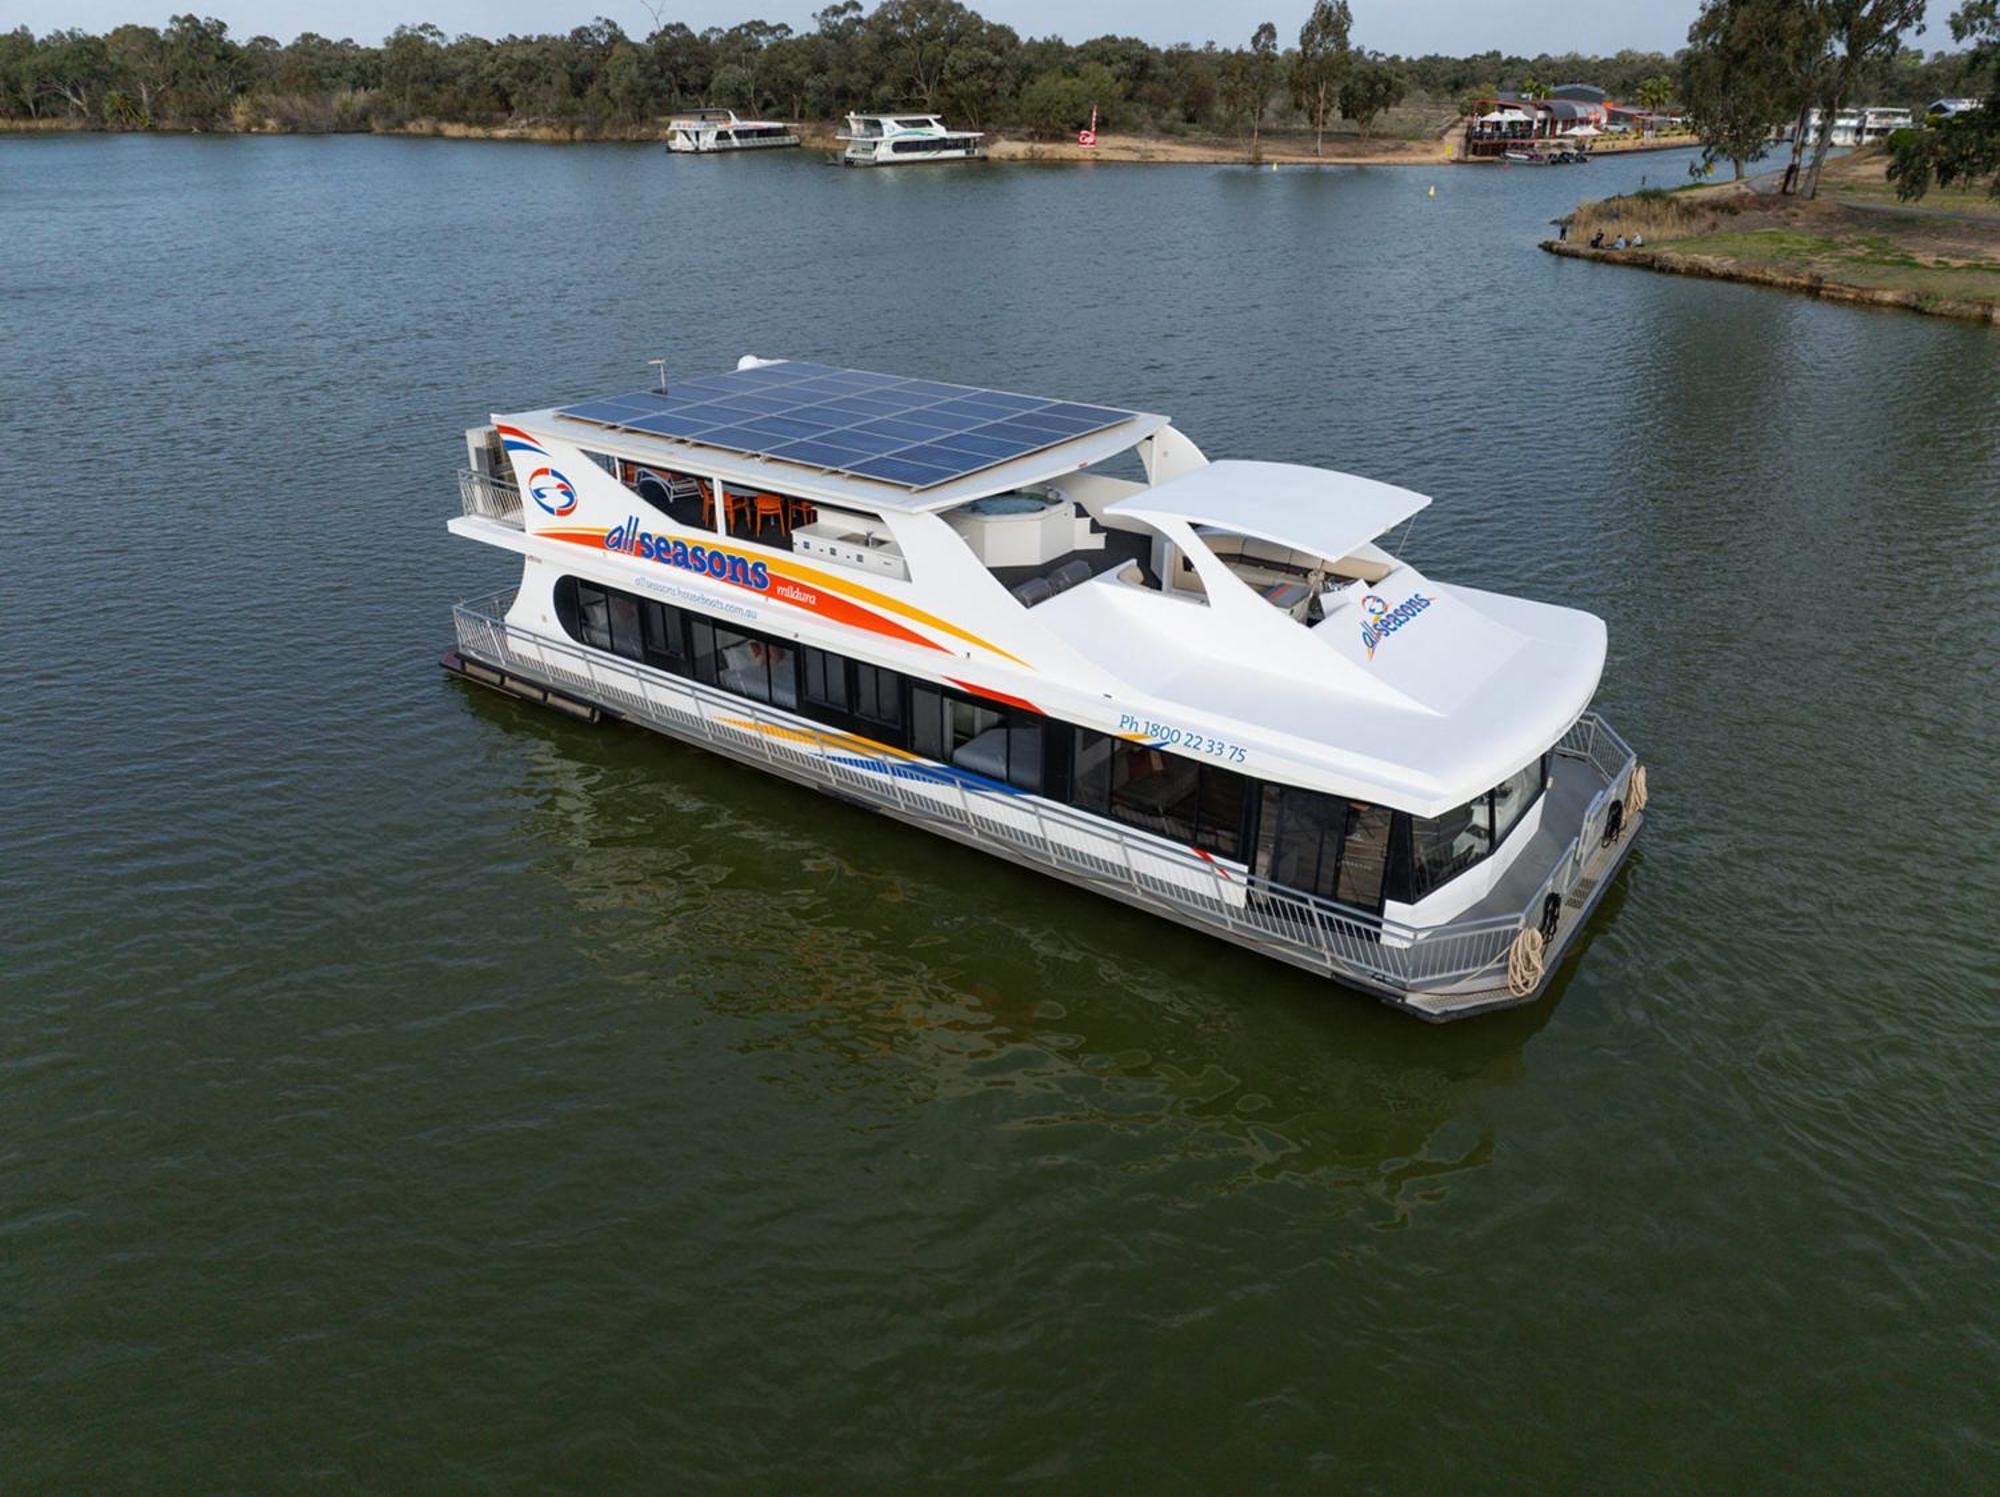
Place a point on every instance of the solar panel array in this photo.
(914, 433)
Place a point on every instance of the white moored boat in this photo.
(890, 139)
(1213, 694)
(707, 130)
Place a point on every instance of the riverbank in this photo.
(1854, 243)
(1290, 148)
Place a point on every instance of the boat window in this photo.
(1442, 847)
(1154, 791)
(1513, 796)
(1219, 827)
(878, 695)
(1364, 856)
(761, 669)
(1090, 774)
(593, 610)
(625, 634)
(823, 679)
(666, 638)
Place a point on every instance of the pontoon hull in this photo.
(1188, 888)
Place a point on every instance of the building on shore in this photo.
(1945, 109)
(1861, 126)
(1510, 122)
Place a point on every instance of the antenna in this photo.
(661, 365)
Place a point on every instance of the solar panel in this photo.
(915, 433)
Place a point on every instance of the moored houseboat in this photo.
(1213, 693)
(897, 139)
(706, 131)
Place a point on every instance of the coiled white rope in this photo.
(1524, 963)
(1635, 794)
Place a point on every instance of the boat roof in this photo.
(883, 441)
(1312, 509)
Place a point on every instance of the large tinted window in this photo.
(1442, 847)
(1154, 791)
(626, 637)
(593, 616)
(1090, 771)
(1221, 803)
(878, 695)
(823, 679)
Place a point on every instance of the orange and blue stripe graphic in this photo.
(807, 588)
(877, 758)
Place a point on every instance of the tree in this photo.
(1655, 93)
(1374, 87)
(1260, 73)
(72, 66)
(1740, 76)
(1320, 66)
(915, 39)
(1861, 30)
(412, 61)
(1055, 103)
(1965, 147)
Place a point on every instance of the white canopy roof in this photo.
(1310, 509)
(1504, 117)
(1584, 130)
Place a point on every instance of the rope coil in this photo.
(1524, 963)
(1635, 794)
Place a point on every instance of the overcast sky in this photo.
(1407, 26)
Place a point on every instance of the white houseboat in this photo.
(707, 130)
(887, 139)
(1213, 693)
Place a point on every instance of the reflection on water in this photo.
(880, 957)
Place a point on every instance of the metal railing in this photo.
(489, 498)
(1315, 932)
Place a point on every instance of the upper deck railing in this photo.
(489, 498)
(1308, 930)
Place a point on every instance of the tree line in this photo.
(1754, 66)
(934, 55)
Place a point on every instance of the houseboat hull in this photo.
(1473, 965)
(969, 153)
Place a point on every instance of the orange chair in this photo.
(799, 512)
(769, 507)
(736, 507)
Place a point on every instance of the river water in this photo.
(407, 1089)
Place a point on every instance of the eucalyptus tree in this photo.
(1259, 77)
(1373, 86)
(1741, 74)
(1320, 66)
(1861, 31)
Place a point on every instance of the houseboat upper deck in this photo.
(1210, 691)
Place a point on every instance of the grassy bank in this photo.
(1853, 243)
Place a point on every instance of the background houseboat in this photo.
(710, 130)
(891, 139)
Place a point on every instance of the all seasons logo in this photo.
(670, 551)
(1383, 621)
(552, 491)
